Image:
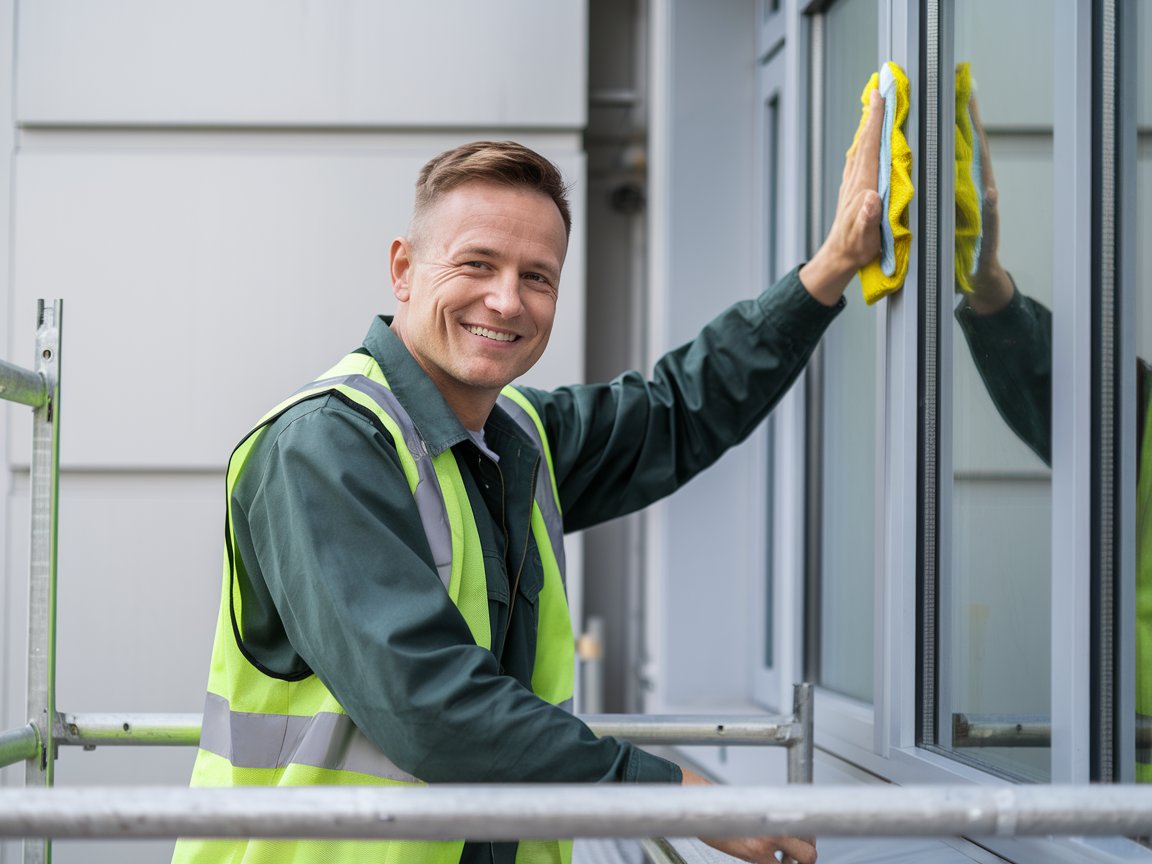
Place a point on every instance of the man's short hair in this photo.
(504, 162)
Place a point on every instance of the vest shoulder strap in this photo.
(516, 405)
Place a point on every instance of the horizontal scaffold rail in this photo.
(91, 730)
(499, 812)
(21, 385)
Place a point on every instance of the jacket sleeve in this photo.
(327, 530)
(620, 446)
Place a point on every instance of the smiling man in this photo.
(393, 608)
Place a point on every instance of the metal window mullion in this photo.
(1072, 457)
(896, 641)
(790, 429)
(814, 378)
(1105, 382)
(938, 690)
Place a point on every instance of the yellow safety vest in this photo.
(263, 730)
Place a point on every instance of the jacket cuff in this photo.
(793, 312)
(644, 767)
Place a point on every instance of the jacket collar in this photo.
(436, 423)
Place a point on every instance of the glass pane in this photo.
(1143, 281)
(848, 525)
(995, 610)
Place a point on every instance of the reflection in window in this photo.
(995, 611)
(848, 448)
(1143, 309)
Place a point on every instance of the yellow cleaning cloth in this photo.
(886, 274)
(968, 195)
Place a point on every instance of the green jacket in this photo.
(340, 579)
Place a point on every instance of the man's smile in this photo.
(495, 335)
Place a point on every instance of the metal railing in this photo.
(541, 812)
(39, 812)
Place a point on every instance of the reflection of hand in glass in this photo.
(990, 283)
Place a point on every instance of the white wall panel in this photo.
(201, 287)
(458, 63)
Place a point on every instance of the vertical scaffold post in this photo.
(800, 749)
(44, 485)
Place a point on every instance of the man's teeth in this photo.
(491, 334)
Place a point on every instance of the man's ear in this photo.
(400, 267)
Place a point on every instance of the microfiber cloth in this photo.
(969, 188)
(886, 274)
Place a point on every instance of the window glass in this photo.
(995, 611)
(848, 448)
(1143, 307)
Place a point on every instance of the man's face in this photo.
(477, 289)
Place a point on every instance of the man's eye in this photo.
(479, 265)
(535, 277)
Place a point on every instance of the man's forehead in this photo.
(488, 218)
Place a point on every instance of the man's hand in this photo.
(854, 238)
(758, 850)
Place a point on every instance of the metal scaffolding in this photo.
(39, 812)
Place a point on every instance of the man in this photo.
(393, 608)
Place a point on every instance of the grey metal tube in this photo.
(43, 494)
(802, 744)
(694, 729)
(184, 729)
(498, 812)
(168, 730)
(16, 745)
(20, 385)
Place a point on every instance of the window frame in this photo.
(896, 737)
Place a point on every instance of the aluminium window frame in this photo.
(895, 737)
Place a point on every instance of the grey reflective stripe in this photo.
(1143, 739)
(429, 498)
(327, 740)
(568, 705)
(545, 499)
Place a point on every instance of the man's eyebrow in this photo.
(480, 251)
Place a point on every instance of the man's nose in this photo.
(504, 295)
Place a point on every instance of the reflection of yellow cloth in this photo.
(874, 281)
(967, 195)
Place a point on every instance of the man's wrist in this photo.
(824, 280)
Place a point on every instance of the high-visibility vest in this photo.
(264, 729)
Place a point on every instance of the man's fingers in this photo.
(866, 132)
(801, 851)
(867, 161)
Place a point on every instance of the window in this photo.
(994, 599)
(841, 600)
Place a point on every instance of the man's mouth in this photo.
(491, 334)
